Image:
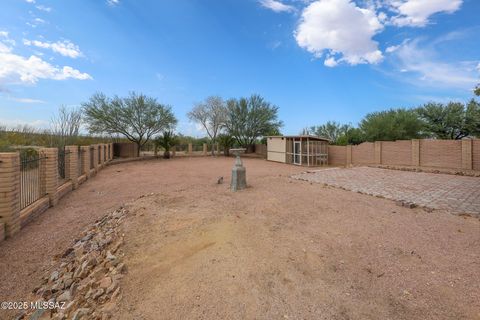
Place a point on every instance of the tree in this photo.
(451, 121)
(211, 114)
(476, 91)
(65, 126)
(167, 140)
(351, 136)
(226, 141)
(251, 118)
(331, 130)
(137, 117)
(393, 124)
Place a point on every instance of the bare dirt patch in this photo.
(282, 248)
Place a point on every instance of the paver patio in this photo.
(456, 194)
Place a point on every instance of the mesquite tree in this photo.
(211, 114)
(137, 117)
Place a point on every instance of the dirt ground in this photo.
(282, 249)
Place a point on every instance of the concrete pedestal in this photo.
(239, 178)
(239, 175)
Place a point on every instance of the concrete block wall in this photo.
(51, 173)
(476, 155)
(447, 154)
(85, 160)
(363, 153)
(396, 152)
(71, 165)
(441, 153)
(337, 155)
(2, 231)
(10, 192)
(124, 150)
(95, 157)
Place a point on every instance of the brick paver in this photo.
(456, 194)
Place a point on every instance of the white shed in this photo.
(303, 150)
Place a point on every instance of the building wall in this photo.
(337, 155)
(125, 150)
(276, 149)
(396, 152)
(441, 153)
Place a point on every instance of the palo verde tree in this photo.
(137, 117)
(454, 120)
(211, 114)
(251, 118)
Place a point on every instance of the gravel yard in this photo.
(281, 249)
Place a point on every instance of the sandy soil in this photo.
(282, 249)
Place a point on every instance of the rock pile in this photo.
(86, 284)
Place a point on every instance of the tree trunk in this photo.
(139, 146)
(166, 154)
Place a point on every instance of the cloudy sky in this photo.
(317, 60)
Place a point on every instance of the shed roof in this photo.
(303, 136)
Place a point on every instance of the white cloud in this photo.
(330, 62)
(39, 21)
(416, 13)
(43, 8)
(113, 2)
(423, 67)
(26, 100)
(30, 1)
(15, 69)
(6, 42)
(277, 6)
(65, 48)
(15, 123)
(392, 49)
(342, 29)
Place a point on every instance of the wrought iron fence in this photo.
(80, 161)
(181, 147)
(31, 180)
(197, 147)
(92, 161)
(62, 154)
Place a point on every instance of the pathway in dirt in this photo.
(282, 248)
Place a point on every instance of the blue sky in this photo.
(317, 60)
